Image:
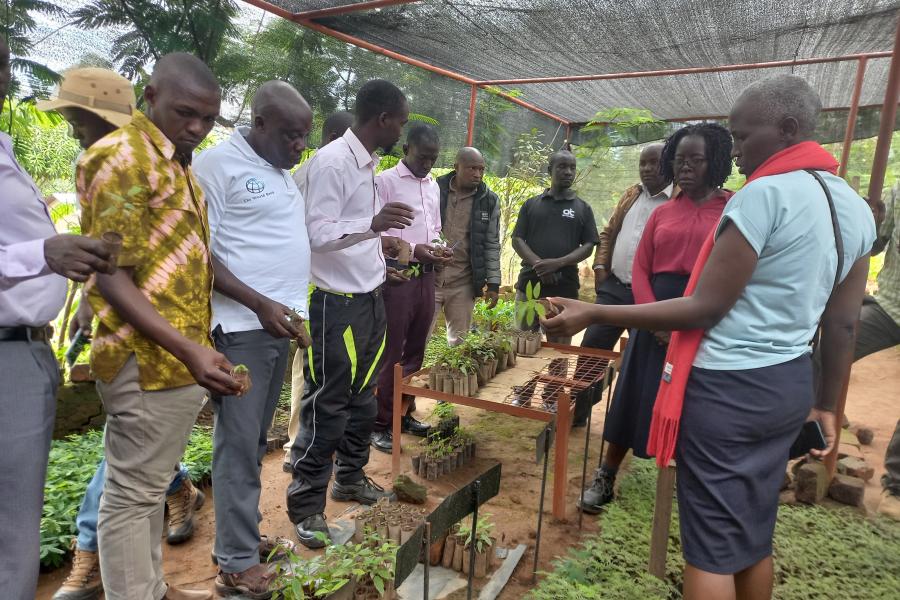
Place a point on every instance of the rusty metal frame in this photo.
(563, 415)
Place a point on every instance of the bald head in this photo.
(770, 115)
(336, 125)
(183, 100)
(281, 122)
(469, 167)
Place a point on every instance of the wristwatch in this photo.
(602, 267)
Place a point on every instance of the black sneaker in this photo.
(309, 527)
(413, 426)
(364, 491)
(382, 441)
(599, 494)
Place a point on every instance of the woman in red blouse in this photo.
(698, 158)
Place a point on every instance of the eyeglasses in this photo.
(693, 162)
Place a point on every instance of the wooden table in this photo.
(601, 370)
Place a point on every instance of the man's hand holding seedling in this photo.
(394, 215)
(210, 369)
(396, 275)
(426, 253)
(491, 297)
(275, 318)
(390, 246)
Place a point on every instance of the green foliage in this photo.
(437, 345)
(617, 125)
(489, 130)
(18, 26)
(530, 308)
(819, 552)
(443, 411)
(317, 577)
(500, 318)
(72, 464)
(482, 532)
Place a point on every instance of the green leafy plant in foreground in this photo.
(819, 553)
(72, 464)
(482, 533)
(528, 310)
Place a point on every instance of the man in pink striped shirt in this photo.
(409, 294)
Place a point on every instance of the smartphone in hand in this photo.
(810, 438)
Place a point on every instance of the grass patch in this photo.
(819, 553)
(72, 464)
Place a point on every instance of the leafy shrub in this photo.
(819, 553)
(72, 464)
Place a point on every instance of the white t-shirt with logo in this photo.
(257, 229)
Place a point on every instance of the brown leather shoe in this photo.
(182, 505)
(253, 583)
(174, 593)
(83, 582)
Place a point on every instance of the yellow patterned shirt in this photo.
(132, 182)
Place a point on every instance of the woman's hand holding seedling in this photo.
(396, 276)
(572, 316)
(394, 215)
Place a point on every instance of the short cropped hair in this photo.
(423, 134)
(375, 97)
(781, 96)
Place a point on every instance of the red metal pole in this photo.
(851, 117)
(888, 116)
(470, 135)
(349, 8)
(686, 71)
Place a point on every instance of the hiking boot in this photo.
(253, 583)
(267, 545)
(307, 529)
(364, 491)
(411, 425)
(382, 441)
(182, 505)
(174, 593)
(83, 582)
(599, 494)
(889, 505)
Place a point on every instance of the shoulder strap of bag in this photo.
(836, 226)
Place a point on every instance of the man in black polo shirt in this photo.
(555, 231)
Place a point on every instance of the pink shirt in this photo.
(423, 195)
(339, 188)
(671, 240)
(30, 294)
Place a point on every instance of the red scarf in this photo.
(684, 344)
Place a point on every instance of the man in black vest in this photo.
(470, 221)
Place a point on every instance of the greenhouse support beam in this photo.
(470, 131)
(687, 70)
(888, 117)
(851, 116)
(334, 11)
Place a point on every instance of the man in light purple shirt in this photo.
(410, 289)
(345, 220)
(32, 260)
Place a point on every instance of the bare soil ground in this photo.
(872, 402)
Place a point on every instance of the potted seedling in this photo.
(241, 374)
(446, 419)
(528, 312)
(440, 245)
(304, 340)
(484, 545)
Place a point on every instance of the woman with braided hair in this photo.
(698, 159)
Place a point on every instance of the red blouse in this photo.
(672, 238)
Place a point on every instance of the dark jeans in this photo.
(338, 409)
(409, 309)
(612, 292)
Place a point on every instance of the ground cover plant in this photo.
(820, 552)
(73, 462)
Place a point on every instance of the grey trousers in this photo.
(877, 331)
(457, 302)
(146, 434)
(239, 444)
(29, 376)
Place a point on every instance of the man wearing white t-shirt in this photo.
(258, 231)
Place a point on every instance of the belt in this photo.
(23, 333)
(413, 269)
(627, 286)
(374, 293)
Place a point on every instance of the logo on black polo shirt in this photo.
(569, 213)
(255, 186)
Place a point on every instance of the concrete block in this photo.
(847, 490)
(849, 449)
(812, 483)
(855, 467)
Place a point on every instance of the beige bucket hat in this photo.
(100, 91)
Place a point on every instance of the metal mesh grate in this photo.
(572, 375)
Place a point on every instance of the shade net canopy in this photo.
(511, 39)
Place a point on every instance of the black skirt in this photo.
(628, 422)
(736, 430)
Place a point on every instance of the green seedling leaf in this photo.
(537, 291)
